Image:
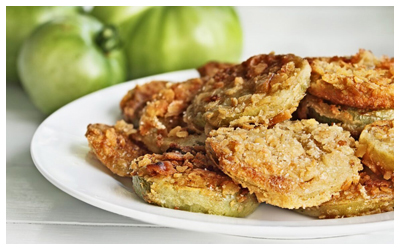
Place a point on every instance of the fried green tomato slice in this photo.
(360, 81)
(135, 100)
(376, 148)
(294, 164)
(211, 68)
(351, 119)
(265, 89)
(161, 122)
(188, 181)
(113, 146)
(133, 103)
(372, 195)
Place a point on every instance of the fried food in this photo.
(113, 147)
(360, 81)
(371, 195)
(376, 148)
(211, 68)
(133, 103)
(294, 164)
(223, 142)
(351, 119)
(162, 122)
(265, 89)
(188, 181)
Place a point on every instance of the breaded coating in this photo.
(294, 164)
(162, 120)
(372, 195)
(360, 81)
(265, 89)
(211, 68)
(351, 119)
(241, 134)
(113, 147)
(188, 181)
(376, 148)
(133, 103)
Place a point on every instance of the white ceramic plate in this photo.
(59, 150)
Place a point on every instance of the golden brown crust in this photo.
(184, 169)
(376, 147)
(113, 147)
(187, 180)
(162, 120)
(360, 81)
(192, 160)
(255, 91)
(351, 119)
(165, 110)
(133, 103)
(211, 68)
(371, 195)
(294, 164)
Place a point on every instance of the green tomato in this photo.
(174, 38)
(21, 21)
(67, 58)
(161, 39)
(117, 15)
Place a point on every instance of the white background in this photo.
(317, 31)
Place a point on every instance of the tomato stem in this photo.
(108, 39)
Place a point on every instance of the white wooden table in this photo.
(38, 212)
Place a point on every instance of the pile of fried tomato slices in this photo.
(311, 135)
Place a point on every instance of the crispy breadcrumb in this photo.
(265, 89)
(211, 68)
(371, 195)
(376, 148)
(294, 164)
(360, 81)
(133, 103)
(189, 181)
(161, 123)
(113, 147)
(351, 119)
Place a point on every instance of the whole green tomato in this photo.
(67, 58)
(117, 15)
(21, 21)
(161, 39)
